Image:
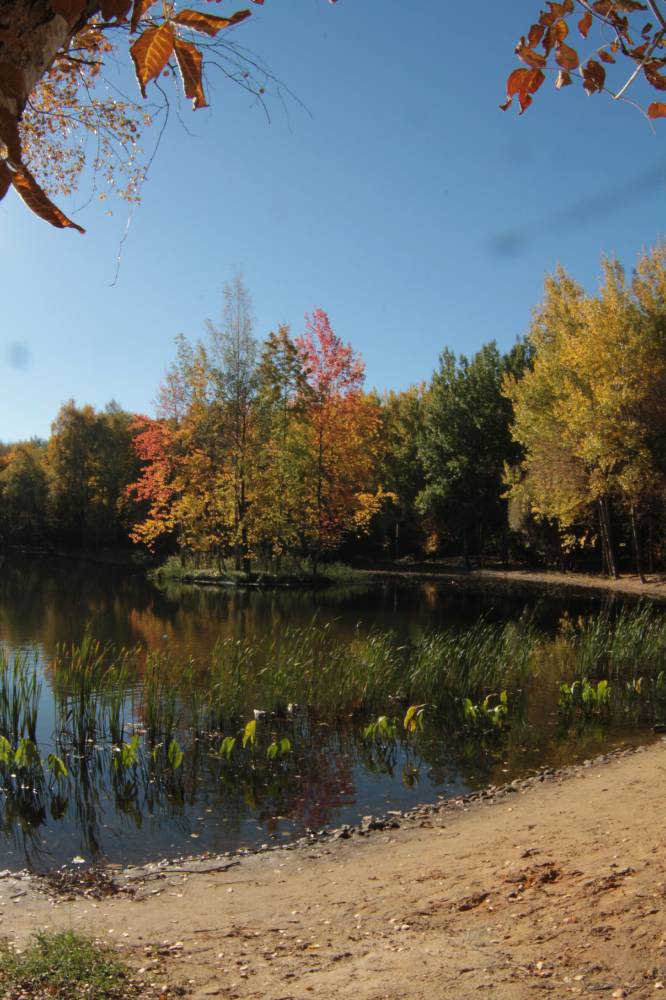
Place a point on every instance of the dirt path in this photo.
(529, 581)
(557, 889)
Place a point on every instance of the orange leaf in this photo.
(535, 35)
(657, 110)
(529, 56)
(139, 9)
(151, 52)
(208, 24)
(522, 83)
(585, 24)
(38, 202)
(189, 61)
(566, 57)
(5, 179)
(605, 56)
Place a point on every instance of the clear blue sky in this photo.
(405, 204)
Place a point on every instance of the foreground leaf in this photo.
(39, 202)
(208, 24)
(189, 61)
(150, 53)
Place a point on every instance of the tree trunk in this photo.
(31, 35)
(466, 548)
(651, 546)
(604, 522)
(635, 543)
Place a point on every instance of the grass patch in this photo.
(291, 573)
(64, 965)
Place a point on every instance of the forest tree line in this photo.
(265, 451)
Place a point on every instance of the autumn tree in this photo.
(23, 493)
(591, 412)
(342, 436)
(281, 447)
(90, 460)
(630, 45)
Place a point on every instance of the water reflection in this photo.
(148, 808)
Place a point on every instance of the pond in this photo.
(239, 718)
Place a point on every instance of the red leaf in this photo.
(38, 202)
(189, 61)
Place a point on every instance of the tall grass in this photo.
(617, 647)
(100, 692)
(19, 696)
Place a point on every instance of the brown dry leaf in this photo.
(150, 53)
(38, 202)
(585, 24)
(566, 57)
(594, 77)
(522, 83)
(657, 110)
(563, 79)
(653, 75)
(189, 61)
(534, 59)
(208, 24)
(139, 9)
(535, 35)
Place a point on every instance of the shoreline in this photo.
(542, 885)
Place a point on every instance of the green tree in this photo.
(465, 445)
(401, 467)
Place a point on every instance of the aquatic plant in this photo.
(490, 714)
(20, 690)
(587, 698)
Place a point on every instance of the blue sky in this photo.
(403, 201)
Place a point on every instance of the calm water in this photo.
(331, 777)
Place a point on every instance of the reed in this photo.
(20, 690)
